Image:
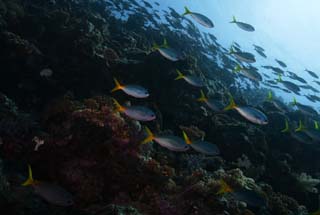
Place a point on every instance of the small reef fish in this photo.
(139, 113)
(191, 79)
(170, 142)
(242, 25)
(212, 103)
(250, 113)
(281, 63)
(132, 90)
(297, 134)
(224, 188)
(313, 133)
(203, 147)
(52, 193)
(201, 19)
(305, 109)
(166, 51)
(314, 75)
(243, 56)
(254, 76)
(289, 85)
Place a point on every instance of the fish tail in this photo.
(279, 78)
(180, 75)
(149, 137)
(203, 97)
(233, 19)
(30, 180)
(118, 85)
(237, 68)
(286, 128)
(186, 11)
(186, 138)
(316, 125)
(269, 96)
(119, 107)
(301, 126)
(231, 105)
(165, 43)
(231, 50)
(294, 102)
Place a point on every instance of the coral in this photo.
(308, 182)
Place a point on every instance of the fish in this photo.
(305, 109)
(275, 69)
(243, 56)
(132, 90)
(249, 73)
(52, 193)
(281, 63)
(308, 87)
(314, 75)
(170, 142)
(190, 79)
(313, 133)
(201, 19)
(297, 134)
(46, 73)
(212, 103)
(256, 47)
(296, 77)
(139, 113)
(317, 82)
(201, 146)
(242, 25)
(262, 54)
(289, 85)
(166, 51)
(251, 114)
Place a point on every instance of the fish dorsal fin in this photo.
(286, 128)
(316, 125)
(301, 127)
(30, 180)
(119, 107)
(224, 188)
(180, 75)
(186, 11)
(269, 96)
(203, 97)
(186, 138)
(118, 85)
(149, 137)
(234, 20)
(231, 105)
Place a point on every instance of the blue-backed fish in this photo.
(201, 19)
(139, 113)
(251, 114)
(52, 193)
(213, 104)
(243, 56)
(166, 51)
(170, 142)
(190, 79)
(305, 109)
(132, 90)
(251, 74)
(201, 146)
(289, 85)
(242, 25)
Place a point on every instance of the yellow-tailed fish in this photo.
(314, 134)
(270, 97)
(224, 188)
(52, 193)
(250, 113)
(190, 79)
(201, 19)
(305, 109)
(170, 142)
(252, 75)
(132, 90)
(212, 104)
(166, 51)
(242, 25)
(139, 113)
(243, 56)
(203, 147)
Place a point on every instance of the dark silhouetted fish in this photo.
(281, 63)
(243, 56)
(312, 73)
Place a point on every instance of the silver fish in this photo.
(205, 147)
(242, 25)
(201, 19)
(132, 90)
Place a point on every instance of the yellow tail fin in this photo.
(203, 97)
(316, 125)
(149, 137)
(186, 138)
(118, 85)
(231, 105)
(286, 128)
(118, 106)
(301, 126)
(30, 180)
(224, 188)
(180, 75)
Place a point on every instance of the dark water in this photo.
(58, 61)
